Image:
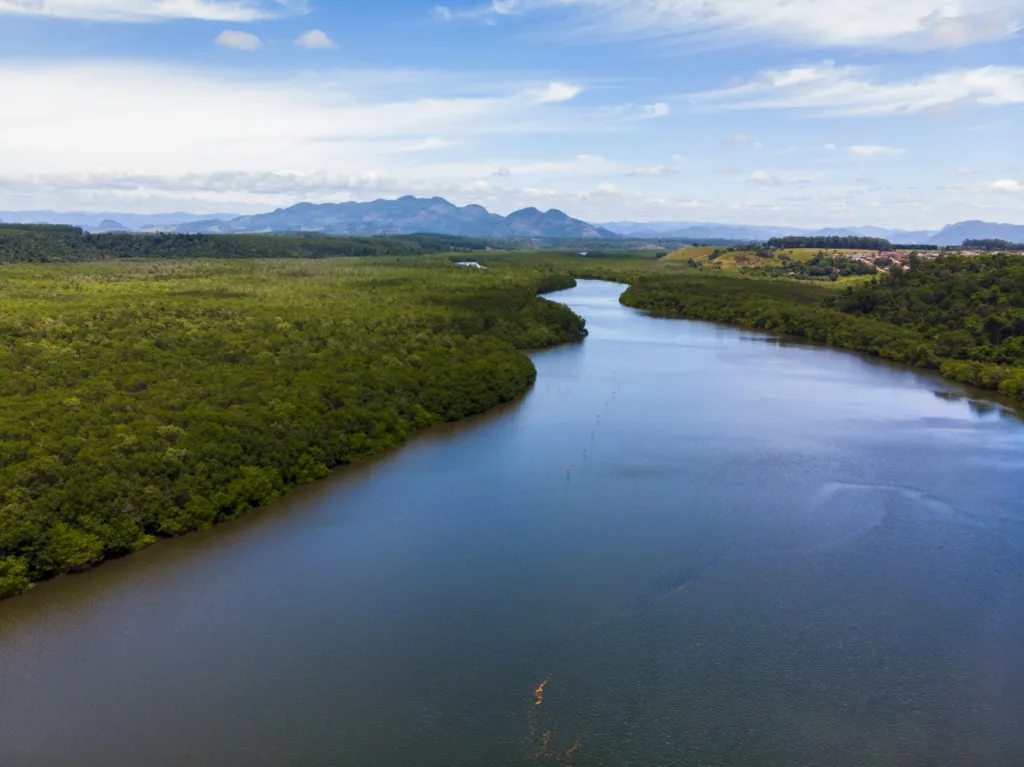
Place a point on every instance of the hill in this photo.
(406, 215)
(108, 225)
(955, 234)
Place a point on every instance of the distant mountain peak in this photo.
(408, 215)
(955, 234)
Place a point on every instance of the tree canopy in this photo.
(836, 243)
(961, 315)
(994, 246)
(21, 243)
(150, 399)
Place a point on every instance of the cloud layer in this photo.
(153, 10)
(157, 119)
(907, 24)
(845, 90)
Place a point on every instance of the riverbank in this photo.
(754, 536)
(960, 316)
(148, 400)
(793, 309)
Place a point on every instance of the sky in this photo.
(896, 113)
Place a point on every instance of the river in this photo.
(688, 545)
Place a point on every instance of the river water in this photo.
(763, 554)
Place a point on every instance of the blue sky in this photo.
(798, 112)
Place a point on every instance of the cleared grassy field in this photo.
(740, 259)
(806, 254)
(733, 260)
(697, 252)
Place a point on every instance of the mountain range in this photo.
(109, 221)
(408, 215)
(955, 234)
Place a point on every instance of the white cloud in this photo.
(740, 138)
(583, 165)
(1008, 185)
(260, 191)
(907, 24)
(1000, 186)
(264, 191)
(764, 178)
(84, 117)
(837, 90)
(652, 171)
(964, 172)
(555, 93)
(661, 109)
(960, 31)
(152, 10)
(486, 13)
(608, 190)
(241, 41)
(875, 150)
(315, 39)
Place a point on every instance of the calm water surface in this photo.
(762, 555)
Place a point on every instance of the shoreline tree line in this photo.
(149, 400)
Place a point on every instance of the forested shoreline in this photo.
(962, 316)
(150, 400)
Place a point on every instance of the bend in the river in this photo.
(685, 546)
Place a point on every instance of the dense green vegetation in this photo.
(151, 399)
(21, 243)
(44, 243)
(970, 310)
(994, 246)
(961, 315)
(830, 243)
